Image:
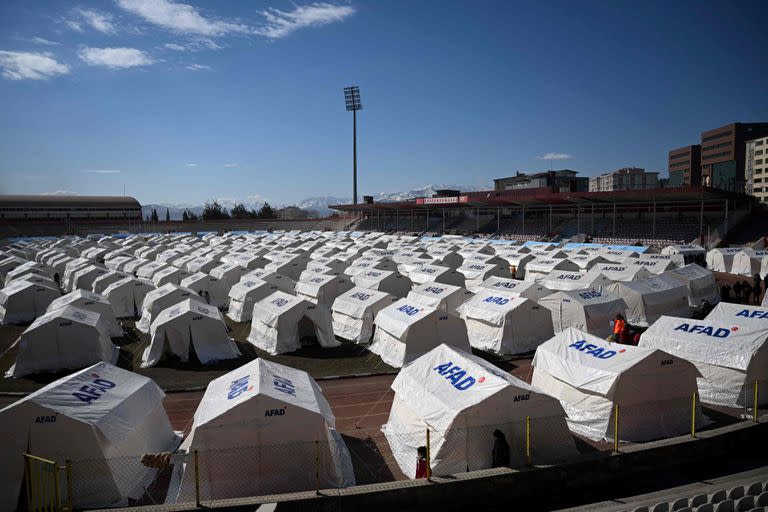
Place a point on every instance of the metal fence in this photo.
(252, 465)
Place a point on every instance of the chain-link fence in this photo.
(251, 464)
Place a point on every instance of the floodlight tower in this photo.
(352, 99)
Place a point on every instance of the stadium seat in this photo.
(726, 506)
(661, 507)
(754, 489)
(680, 504)
(717, 497)
(762, 499)
(736, 493)
(641, 509)
(698, 500)
(745, 504)
(707, 507)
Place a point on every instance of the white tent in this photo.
(102, 282)
(100, 419)
(476, 273)
(447, 299)
(118, 263)
(721, 259)
(684, 250)
(189, 323)
(160, 299)
(289, 265)
(127, 295)
(229, 273)
(748, 262)
(366, 263)
(244, 295)
(528, 289)
(202, 264)
(436, 274)
(652, 265)
(280, 321)
(653, 389)
(211, 290)
(245, 451)
(540, 267)
(69, 270)
(26, 269)
(621, 271)
(588, 310)
(147, 270)
(84, 277)
(23, 301)
(84, 299)
(406, 330)
(322, 290)
(10, 263)
(616, 255)
(388, 281)
(353, 312)
(648, 300)
(169, 274)
(284, 284)
(505, 323)
(700, 282)
(567, 280)
(728, 348)
(461, 399)
(585, 262)
(65, 339)
(517, 259)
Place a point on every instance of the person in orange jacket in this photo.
(618, 325)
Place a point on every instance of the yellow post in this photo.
(69, 484)
(197, 480)
(693, 414)
(528, 456)
(754, 411)
(616, 429)
(317, 467)
(429, 459)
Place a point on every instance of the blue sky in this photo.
(182, 102)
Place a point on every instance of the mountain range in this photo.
(316, 204)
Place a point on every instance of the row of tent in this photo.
(738, 260)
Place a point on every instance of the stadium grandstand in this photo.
(651, 217)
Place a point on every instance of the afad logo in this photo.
(275, 412)
(496, 300)
(707, 330)
(409, 310)
(238, 387)
(593, 350)
(89, 393)
(456, 376)
(752, 314)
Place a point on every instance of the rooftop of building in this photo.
(57, 201)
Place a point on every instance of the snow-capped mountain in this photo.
(317, 204)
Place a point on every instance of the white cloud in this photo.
(555, 156)
(281, 23)
(102, 171)
(100, 21)
(43, 41)
(195, 45)
(231, 165)
(61, 193)
(74, 25)
(175, 47)
(198, 67)
(181, 18)
(30, 65)
(191, 165)
(115, 58)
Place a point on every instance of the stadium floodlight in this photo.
(352, 100)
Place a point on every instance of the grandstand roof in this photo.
(544, 196)
(55, 201)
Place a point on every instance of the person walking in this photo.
(422, 470)
(737, 291)
(765, 284)
(500, 453)
(618, 326)
(725, 293)
(746, 291)
(756, 290)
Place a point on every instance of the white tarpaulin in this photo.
(387, 281)
(66, 339)
(748, 262)
(406, 330)
(476, 273)
(169, 274)
(505, 323)
(127, 295)
(100, 418)
(159, 299)
(83, 299)
(648, 300)
(353, 313)
(100, 283)
(244, 295)
(700, 282)
(560, 280)
(527, 289)
(436, 274)
(260, 429)
(23, 301)
(590, 376)
(451, 328)
(728, 348)
(592, 311)
(280, 321)
(189, 323)
(462, 399)
(211, 290)
(621, 271)
(540, 267)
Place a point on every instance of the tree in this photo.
(167, 215)
(267, 212)
(239, 211)
(191, 216)
(154, 215)
(184, 216)
(214, 211)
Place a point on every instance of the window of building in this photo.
(715, 146)
(759, 152)
(716, 155)
(716, 136)
(758, 161)
(759, 142)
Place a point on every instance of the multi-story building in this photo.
(723, 154)
(685, 166)
(564, 180)
(628, 178)
(756, 169)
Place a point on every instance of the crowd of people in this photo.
(743, 292)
